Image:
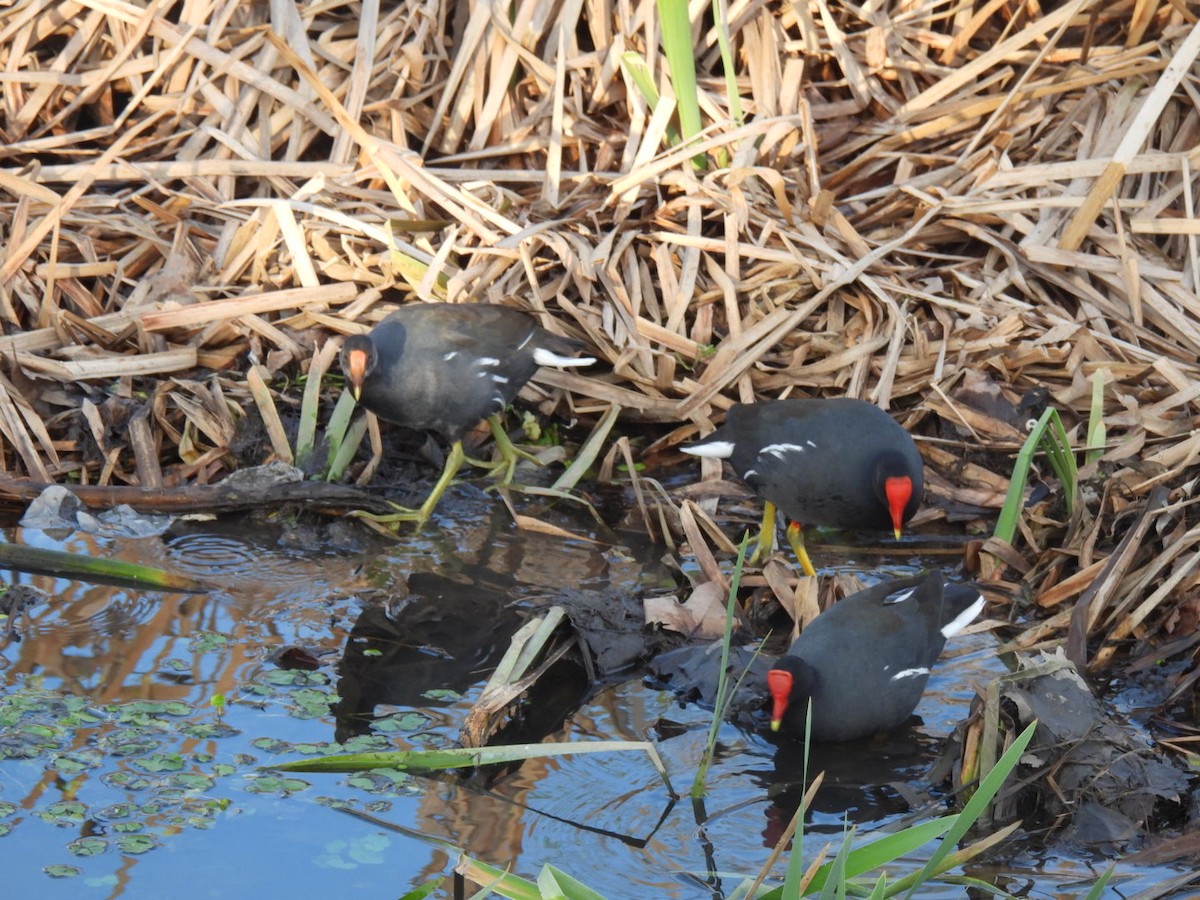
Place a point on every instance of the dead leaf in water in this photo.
(701, 616)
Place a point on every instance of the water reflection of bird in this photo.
(444, 636)
(864, 782)
(444, 367)
(436, 644)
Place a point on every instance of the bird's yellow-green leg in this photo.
(421, 515)
(766, 535)
(510, 454)
(795, 536)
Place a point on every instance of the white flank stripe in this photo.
(779, 451)
(910, 673)
(713, 449)
(528, 338)
(898, 598)
(487, 361)
(544, 357)
(963, 619)
(449, 357)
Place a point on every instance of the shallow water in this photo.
(167, 798)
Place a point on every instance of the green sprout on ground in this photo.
(1049, 436)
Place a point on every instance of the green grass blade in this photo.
(1006, 524)
(740, 891)
(639, 73)
(721, 18)
(952, 860)
(347, 446)
(306, 433)
(794, 876)
(336, 428)
(58, 564)
(339, 421)
(497, 881)
(413, 271)
(1049, 433)
(531, 649)
(681, 60)
(886, 850)
(1097, 433)
(977, 805)
(556, 884)
(552, 883)
(1097, 890)
(420, 893)
(642, 78)
(440, 760)
(835, 881)
(589, 452)
(1062, 458)
(724, 692)
(795, 868)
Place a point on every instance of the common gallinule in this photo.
(864, 661)
(444, 367)
(842, 463)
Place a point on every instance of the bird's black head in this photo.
(358, 357)
(898, 487)
(790, 682)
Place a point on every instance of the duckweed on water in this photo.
(310, 703)
(274, 784)
(87, 846)
(381, 781)
(160, 762)
(64, 812)
(400, 722)
(208, 642)
(71, 764)
(443, 695)
(137, 749)
(135, 843)
(293, 677)
(62, 871)
(148, 712)
(127, 742)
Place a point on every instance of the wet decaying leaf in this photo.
(295, 657)
(1088, 774)
(692, 672)
(701, 616)
(531, 655)
(604, 634)
(612, 626)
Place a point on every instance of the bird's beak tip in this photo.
(775, 723)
